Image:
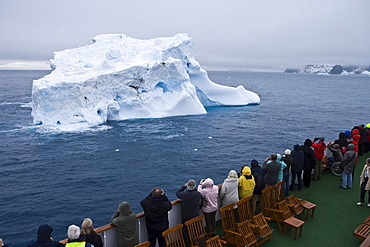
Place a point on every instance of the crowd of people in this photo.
(296, 168)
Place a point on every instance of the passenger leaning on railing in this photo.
(210, 205)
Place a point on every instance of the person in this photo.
(364, 183)
(363, 139)
(272, 170)
(210, 206)
(288, 160)
(257, 172)
(297, 166)
(125, 221)
(44, 238)
(309, 162)
(190, 204)
(282, 167)
(348, 164)
(156, 206)
(319, 149)
(74, 238)
(342, 141)
(246, 183)
(229, 190)
(6, 245)
(88, 233)
(336, 151)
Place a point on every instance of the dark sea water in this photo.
(57, 178)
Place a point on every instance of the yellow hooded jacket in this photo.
(246, 186)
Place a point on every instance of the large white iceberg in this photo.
(118, 77)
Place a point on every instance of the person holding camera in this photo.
(210, 207)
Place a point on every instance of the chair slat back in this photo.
(214, 242)
(285, 209)
(195, 228)
(246, 233)
(267, 197)
(279, 192)
(263, 227)
(244, 209)
(173, 236)
(228, 217)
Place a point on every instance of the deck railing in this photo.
(108, 232)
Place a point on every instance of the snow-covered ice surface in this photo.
(118, 77)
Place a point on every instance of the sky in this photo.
(258, 35)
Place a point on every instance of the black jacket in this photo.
(155, 210)
(43, 238)
(309, 155)
(298, 159)
(191, 200)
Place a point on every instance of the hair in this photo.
(273, 156)
(232, 174)
(368, 160)
(73, 232)
(191, 184)
(156, 192)
(87, 226)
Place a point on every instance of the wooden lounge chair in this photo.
(261, 228)
(244, 209)
(294, 206)
(243, 236)
(173, 236)
(214, 242)
(143, 244)
(362, 231)
(196, 231)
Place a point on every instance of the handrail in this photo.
(139, 216)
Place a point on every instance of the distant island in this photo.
(332, 69)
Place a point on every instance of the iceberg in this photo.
(118, 77)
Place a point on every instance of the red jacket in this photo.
(319, 149)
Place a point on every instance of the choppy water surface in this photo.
(59, 178)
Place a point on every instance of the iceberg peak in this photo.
(118, 77)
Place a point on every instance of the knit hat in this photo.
(321, 139)
(254, 163)
(287, 152)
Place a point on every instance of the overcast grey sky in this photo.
(256, 35)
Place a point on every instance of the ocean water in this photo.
(60, 178)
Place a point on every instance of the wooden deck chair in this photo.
(244, 209)
(228, 217)
(278, 192)
(144, 244)
(280, 214)
(196, 231)
(267, 200)
(242, 236)
(261, 228)
(306, 205)
(173, 236)
(214, 242)
(294, 206)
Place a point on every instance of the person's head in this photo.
(247, 171)
(1, 242)
(368, 161)
(254, 163)
(156, 192)
(350, 147)
(336, 146)
(321, 139)
(191, 184)
(278, 157)
(44, 233)
(73, 232)
(273, 157)
(287, 152)
(232, 174)
(87, 226)
(308, 142)
(124, 208)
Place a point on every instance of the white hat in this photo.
(287, 151)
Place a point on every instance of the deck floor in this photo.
(336, 215)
